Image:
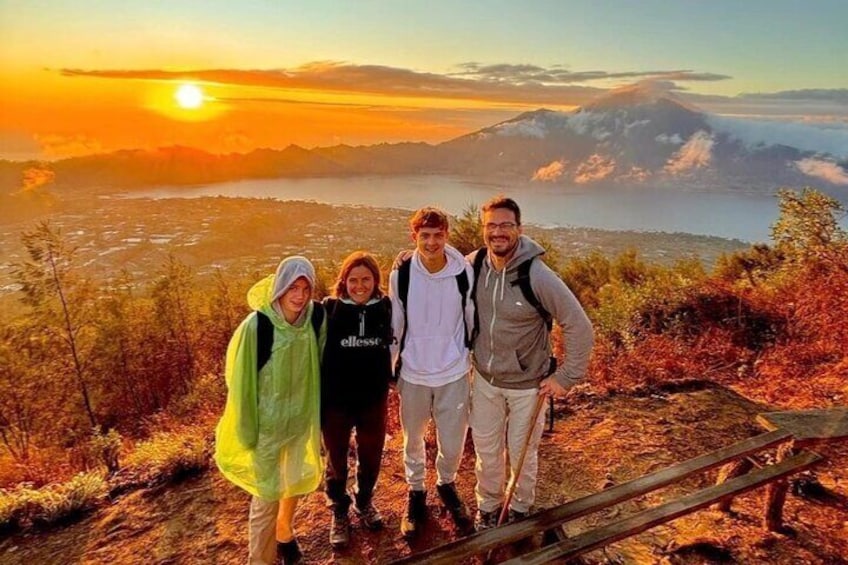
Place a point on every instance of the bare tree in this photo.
(60, 301)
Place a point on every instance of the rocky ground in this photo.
(596, 442)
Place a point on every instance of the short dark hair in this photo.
(501, 201)
(428, 217)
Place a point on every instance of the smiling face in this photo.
(360, 284)
(295, 299)
(431, 242)
(500, 231)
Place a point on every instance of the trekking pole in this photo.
(513, 481)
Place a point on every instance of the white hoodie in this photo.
(434, 353)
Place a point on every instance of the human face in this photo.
(295, 299)
(360, 284)
(430, 243)
(501, 231)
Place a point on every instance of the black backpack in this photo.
(265, 332)
(403, 294)
(523, 283)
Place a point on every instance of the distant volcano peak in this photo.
(641, 94)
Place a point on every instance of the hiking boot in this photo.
(369, 516)
(416, 513)
(339, 528)
(486, 520)
(458, 510)
(289, 553)
(514, 515)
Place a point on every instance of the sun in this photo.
(189, 96)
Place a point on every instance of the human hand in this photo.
(402, 256)
(550, 387)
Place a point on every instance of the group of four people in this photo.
(469, 337)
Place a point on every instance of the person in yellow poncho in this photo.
(268, 440)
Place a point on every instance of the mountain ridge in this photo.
(630, 136)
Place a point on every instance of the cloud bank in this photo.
(754, 133)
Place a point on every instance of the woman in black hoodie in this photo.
(355, 377)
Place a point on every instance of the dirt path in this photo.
(596, 442)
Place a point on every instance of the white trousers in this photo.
(500, 420)
(262, 531)
(448, 406)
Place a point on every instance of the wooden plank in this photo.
(599, 537)
(808, 425)
(484, 541)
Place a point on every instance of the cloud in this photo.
(695, 153)
(595, 168)
(838, 95)
(526, 73)
(674, 139)
(35, 178)
(500, 83)
(826, 170)
(522, 128)
(57, 145)
(804, 136)
(550, 172)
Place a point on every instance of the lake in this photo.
(722, 213)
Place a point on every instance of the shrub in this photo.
(12, 510)
(52, 504)
(105, 449)
(168, 456)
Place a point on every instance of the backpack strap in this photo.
(462, 284)
(265, 332)
(477, 265)
(317, 318)
(523, 282)
(264, 339)
(403, 294)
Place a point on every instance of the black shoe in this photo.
(416, 513)
(514, 515)
(339, 528)
(289, 553)
(458, 510)
(369, 516)
(486, 520)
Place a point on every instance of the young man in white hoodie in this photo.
(432, 315)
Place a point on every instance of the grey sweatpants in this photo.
(500, 420)
(448, 406)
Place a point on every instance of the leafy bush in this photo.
(13, 509)
(105, 449)
(53, 504)
(168, 456)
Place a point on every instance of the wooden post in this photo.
(776, 493)
(731, 471)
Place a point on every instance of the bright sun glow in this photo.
(189, 96)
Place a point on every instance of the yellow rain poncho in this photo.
(268, 440)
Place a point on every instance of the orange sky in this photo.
(97, 114)
(83, 77)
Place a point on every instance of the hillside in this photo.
(595, 441)
(107, 459)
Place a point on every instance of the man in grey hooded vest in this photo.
(511, 358)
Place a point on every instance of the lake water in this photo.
(723, 213)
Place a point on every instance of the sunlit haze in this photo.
(89, 77)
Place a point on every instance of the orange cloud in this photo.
(35, 178)
(56, 145)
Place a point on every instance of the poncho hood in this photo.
(264, 294)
